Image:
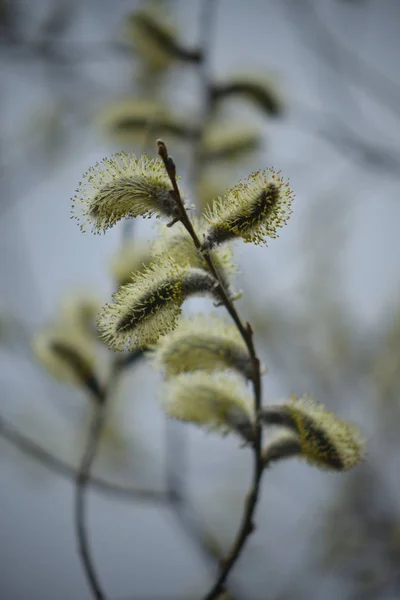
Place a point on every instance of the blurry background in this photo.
(323, 298)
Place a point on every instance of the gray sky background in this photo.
(139, 551)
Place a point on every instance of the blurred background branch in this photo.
(325, 311)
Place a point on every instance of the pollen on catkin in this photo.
(203, 342)
(325, 440)
(177, 243)
(67, 353)
(149, 307)
(253, 210)
(123, 187)
(217, 401)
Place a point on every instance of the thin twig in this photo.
(83, 477)
(33, 450)
(186, 518)
(246, 332)
(343, 138)
(184, 513)
(82, 480)
(339, 57)
(207, 25)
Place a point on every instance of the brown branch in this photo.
(187, 520)
(82, 479)
(246, 332)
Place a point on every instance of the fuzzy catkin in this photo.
(253, 210)
(149, 307)
(325, 440)
(205, 343)
(216, 401)
(123, 187)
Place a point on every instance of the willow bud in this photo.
(149, 307)
(216, 401)
(123, 187)
(253, 210)
(203, 343)
(325, 440)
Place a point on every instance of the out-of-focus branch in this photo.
(206, 26)
(186, 518)
(344, 61)
(349, 69)
(339, 135)
(183, 511)
(81, 483)
(33, 450)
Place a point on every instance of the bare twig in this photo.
(246, 332)
(207, 24)
(185, 514)
(343, 138)
(340, 58)
(82, 480)
(187, 520)
(33, 450)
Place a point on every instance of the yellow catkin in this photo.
(149, 307)
(203, 342)
(325, 440)
(65, 352)
(177, 243)
(122, 187)
(253, 210)
(215, 401)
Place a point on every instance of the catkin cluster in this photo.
(205, 359)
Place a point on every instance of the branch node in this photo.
(249, 329)
(172, 223)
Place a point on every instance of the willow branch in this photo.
(82, 480)
(58, 466)
(187, 520)
(207, 26)
(246, 332)
(84, 474)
